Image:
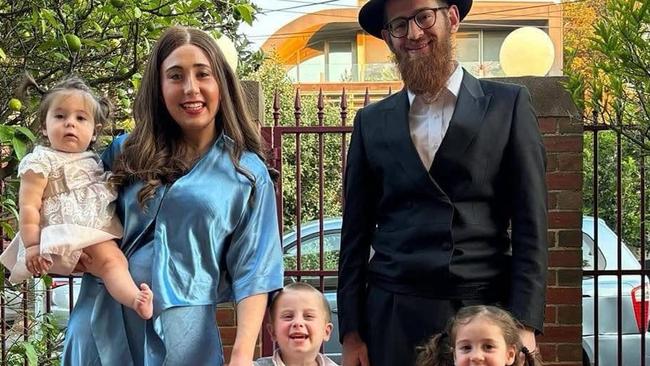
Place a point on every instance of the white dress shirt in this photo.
(428, 122)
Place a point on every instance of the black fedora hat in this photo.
(371, 15)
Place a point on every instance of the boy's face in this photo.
(300, 324)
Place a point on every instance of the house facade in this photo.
(328, 49)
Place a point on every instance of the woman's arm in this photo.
(30, 200)
(250, 313)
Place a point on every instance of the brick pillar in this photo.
(226, 314)
(561, 344)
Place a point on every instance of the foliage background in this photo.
(608, 68)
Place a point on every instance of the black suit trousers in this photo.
(398, 323)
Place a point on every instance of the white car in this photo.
(633, 324)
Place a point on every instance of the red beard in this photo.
(427, 74)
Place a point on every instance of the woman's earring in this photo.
(93, 139)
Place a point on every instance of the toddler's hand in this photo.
(36, 264)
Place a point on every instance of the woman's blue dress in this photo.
(204, 240)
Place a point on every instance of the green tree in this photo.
(608, 69)
(607, 179)
(613, 87)
(106, 42)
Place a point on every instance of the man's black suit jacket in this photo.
(476, 218)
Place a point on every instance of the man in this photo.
(446, 181)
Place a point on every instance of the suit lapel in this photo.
(397, 135)
(465, 123)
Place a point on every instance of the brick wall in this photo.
(561, 343)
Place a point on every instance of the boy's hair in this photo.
(102, 107)
(300, 286)
(439, 350)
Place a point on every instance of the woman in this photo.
(198, 210)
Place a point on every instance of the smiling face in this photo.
(300, 325)
(191, 93)
(420, 42)
(481, 342)
(424, 56)
(70, 123)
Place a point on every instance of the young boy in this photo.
(300, 323)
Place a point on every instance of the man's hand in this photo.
(528, 340)
(355, 352)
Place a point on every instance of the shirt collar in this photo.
(453, 83)
(320, 360)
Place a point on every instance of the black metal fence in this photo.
(615, 277)
(308, 145)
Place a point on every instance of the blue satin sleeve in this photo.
(254, 260)
(112, 150)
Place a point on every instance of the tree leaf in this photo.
(6, 133)
(25, 131)
(30, 354)
(49, 16)
(20, 147)
(137, 13)
(246, 12)
(2, 54)
(47, 281)
(9, 231)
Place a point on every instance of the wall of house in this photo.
(496, 15)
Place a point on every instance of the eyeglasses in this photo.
(424, 18)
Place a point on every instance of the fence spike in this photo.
(321, 107)
(344, 107)
(366, 99)
(297, 105)
(276, 108)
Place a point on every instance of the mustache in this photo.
(428, 73)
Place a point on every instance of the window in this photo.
(310, 253)
(478, 51)
(310, 258)
(339, 61)
(588, 254)
(332, 61)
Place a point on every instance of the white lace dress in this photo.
(77, 210)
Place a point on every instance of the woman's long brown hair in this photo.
(154, 152)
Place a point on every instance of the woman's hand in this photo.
(250, 313)
(241, 361)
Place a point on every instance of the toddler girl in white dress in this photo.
(65, 201)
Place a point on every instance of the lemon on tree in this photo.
(73, 42)
(15, 104)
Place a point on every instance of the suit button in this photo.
(408, 204)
